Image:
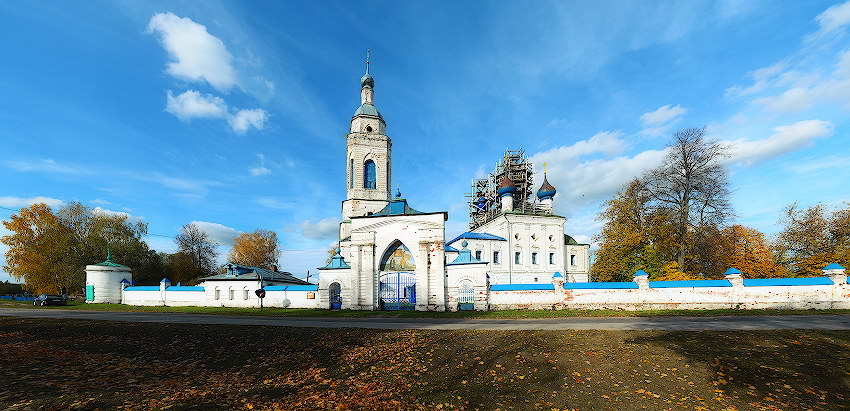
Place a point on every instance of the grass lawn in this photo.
(97, 364)
(299, 312)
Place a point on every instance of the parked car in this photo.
(49, 299)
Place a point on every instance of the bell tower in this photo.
(368, 156)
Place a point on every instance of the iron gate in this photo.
(335, 296)
(398, 291)
(466, 297)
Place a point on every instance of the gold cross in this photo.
(544, 166)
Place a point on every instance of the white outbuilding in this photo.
(104, 281)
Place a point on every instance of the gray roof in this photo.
(369, 110)
(246, 272)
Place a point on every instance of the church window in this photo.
(351, 174)
(217, 294)
(397, 258)
(533, 258)
(368, 129)
(245, 294)
(517, 256)
(230, 294)
(370, 179)
(551, 258)
(495, 257)
(572, 259)
(478, 255)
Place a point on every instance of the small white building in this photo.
(106, 280)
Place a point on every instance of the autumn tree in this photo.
(812, 238)
(200, 248)
(49, 250)
(257, 249)
(634, 237)
(691, 187)
(747, 250)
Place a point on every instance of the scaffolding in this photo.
(483, 200)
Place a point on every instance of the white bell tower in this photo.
(368, 157)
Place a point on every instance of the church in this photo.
(514, 255)
(393, 256)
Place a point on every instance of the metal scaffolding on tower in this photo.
(483, 200)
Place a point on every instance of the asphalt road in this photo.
(809, 322)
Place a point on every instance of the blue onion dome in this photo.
(367, 80)
(546, 191)
(506, 186)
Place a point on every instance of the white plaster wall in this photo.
(149, 298)
(776, 297)
(107, 282)
(476, 274)
(423, 235)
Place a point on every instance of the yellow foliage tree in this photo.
(257, 249)
(671, 272)
(812, 238)
(746, 249)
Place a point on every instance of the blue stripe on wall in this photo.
(521, 287)
(767, 282)
(143, 288)
(689, 283)
(184, 288)
(601, 286)
(310, 287)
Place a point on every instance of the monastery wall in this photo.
(828, 292)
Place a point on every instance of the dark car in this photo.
(48, 299)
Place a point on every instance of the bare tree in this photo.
(692, 186)
(199, 245)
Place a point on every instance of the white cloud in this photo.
(662, 115)
(604, 142)
(260, 169)
(323, 229)
(221, 234)
(44, 165)
(191, 104)
(245, 119)
(783, 140)
(100, 202)
(274, 203)
(657, 122)
(128, 216)
(20, 202)
(196, 54)
(581, 183)
(833, 18)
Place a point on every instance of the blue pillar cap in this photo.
(833, 266)
(640, 273)
(557, 275)
(732, 270)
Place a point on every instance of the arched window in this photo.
(370, 179)
(351, 174)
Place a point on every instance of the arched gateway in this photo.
(397, 281)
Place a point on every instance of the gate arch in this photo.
(397, 281)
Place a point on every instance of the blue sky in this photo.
(234, 114)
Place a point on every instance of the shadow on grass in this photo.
(797, 369)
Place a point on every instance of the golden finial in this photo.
(544, 166)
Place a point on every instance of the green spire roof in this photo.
(108, 262)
